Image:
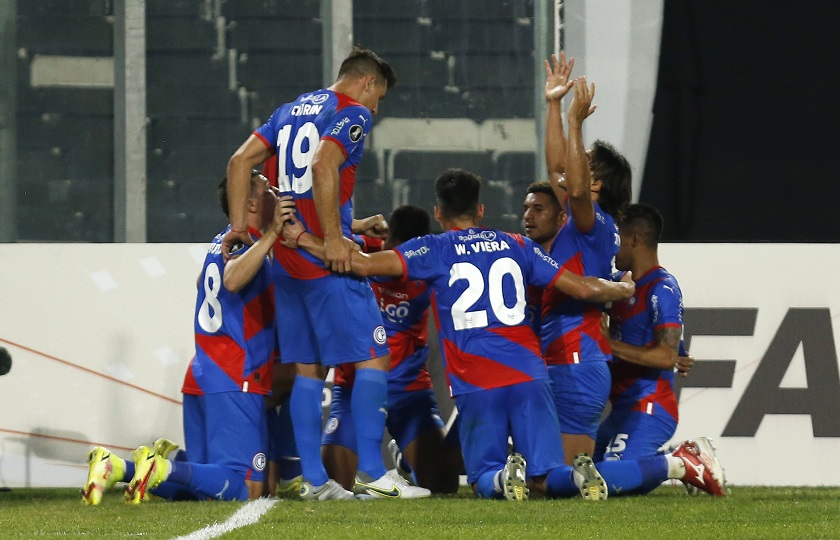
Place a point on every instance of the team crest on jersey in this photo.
(332, 425)
(356, 132)
(379, 335)
(258, 462)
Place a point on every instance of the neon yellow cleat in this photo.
(164, 447)
(105, 470)
(289, 489)
(150, 469)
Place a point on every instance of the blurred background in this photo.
(117, 117)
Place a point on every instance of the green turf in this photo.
(666, 513)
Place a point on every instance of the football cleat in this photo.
(332, 490)
(397, 457)
(513, 479)
(164, 447)
(289, 489)
(590, 482)
(150, 470)
(104, 470)
(702, 469)
(389, 486)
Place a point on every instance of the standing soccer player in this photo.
(646, 331)
(328, 318)
(595, 187)
(493, 363)
(413, 416)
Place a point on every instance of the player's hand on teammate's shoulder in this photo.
(684, 364)
(627, 279)
(232, 241)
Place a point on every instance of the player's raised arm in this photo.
(578, 175)
(373, 226)
(325, 181)
(558, 81)
(252, 152)
(592, 289)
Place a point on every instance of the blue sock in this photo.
(289, 462)
(129, 471)
(486, 485)
(305, 408)
(174, 492)
(369, 405)
(179, 455)
(559, 482)
(634, 477)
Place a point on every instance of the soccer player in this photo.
(595, 187)
(646, 331)
(330, 318)
(493, 363)
(413, 416)
(225, 384)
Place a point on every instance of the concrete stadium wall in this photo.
(101, 334)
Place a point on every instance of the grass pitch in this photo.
(666, 513)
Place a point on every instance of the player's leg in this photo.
(484, 432)
(283, 460)
(414, 422)
(580, 393)
(631, 463)
(338, 444)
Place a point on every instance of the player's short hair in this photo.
(457, 193)
(407, 222)
(362, 62)
(544, 186)
(644, 220)
(613, 170)
(221, 190)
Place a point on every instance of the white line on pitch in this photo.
(247, 515)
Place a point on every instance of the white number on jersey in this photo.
(301, 159)
(462, 318)
(212, 285)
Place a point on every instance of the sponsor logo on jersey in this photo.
(379, 335)
(477, 235)
(338, 127)
(332, 425)
(259, 461)
(542, 255)
(315, 98)
(416, 252)
(356, 132)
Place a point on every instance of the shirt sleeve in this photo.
(666, 305)
(541, 270)
(422, 257)
(268, 131)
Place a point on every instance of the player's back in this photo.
(234, 332)
(479, 277)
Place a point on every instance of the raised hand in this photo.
(581, 106)
(558, 79)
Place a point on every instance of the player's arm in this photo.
(252, 152)
(578, 176)
(373, 226)
(557, 83)
(662, 355)
(592, 289)
(381, 263)
(325, 182)
(239, 271)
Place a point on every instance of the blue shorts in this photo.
(632, 435)
(409, 415)
(329, 321)
(228, 429)
(580, 393)
(524, 411)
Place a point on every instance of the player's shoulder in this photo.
(663, 280)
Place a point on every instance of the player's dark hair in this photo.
(408, 222)
(613, 170)
(644, 220)
(221, 191)
(362, 62)
(544, 186)
(457, 193)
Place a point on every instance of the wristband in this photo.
(298, 237)
(234, 230)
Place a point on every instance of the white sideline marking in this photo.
(247, 515)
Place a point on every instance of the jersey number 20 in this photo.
(464, 319)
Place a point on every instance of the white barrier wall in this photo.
(101, 334)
